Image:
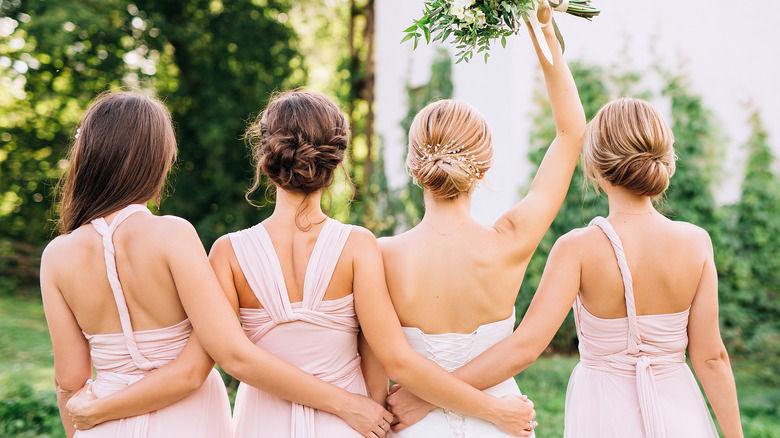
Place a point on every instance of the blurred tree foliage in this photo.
(745, 235)
(213, 63)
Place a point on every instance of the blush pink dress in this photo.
(318, 336)
(632, 379)
(124, 358)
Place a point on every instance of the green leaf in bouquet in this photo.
(427, 34)
(558, 35)
(503, 41)
(411, 28)
(407, 37)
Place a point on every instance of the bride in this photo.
(453, 282)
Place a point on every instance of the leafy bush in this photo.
(25, 413)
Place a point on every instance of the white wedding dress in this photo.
(451, 351)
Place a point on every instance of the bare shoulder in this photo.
(222, 249)
(57, 248)
(361, 239)
(693, 235)
(398, 243)
(579, 238)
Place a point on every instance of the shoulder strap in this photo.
(324, 257)
(107, 232)
(628, 284)
(259, 263)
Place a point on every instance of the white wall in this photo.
(732, 63)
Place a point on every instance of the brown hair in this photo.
(123, 150)
(450, 146)
(629, 145)
(298, 141)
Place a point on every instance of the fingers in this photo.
(394, 389)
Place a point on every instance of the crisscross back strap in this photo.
(258, 261)
(324, 257)
(107, 232)
(628, 285)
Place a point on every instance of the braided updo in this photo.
(450, 147)
(298, 141)
(629, 145)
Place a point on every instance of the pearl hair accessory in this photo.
(452, 154)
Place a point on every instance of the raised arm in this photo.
(72, 361)
(709, 357)
(402, 364)
(526, 223)
(214, 319)
(549, 307)
(160, 388)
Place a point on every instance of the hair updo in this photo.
(629, 145)
(450, 147)
(298, 141)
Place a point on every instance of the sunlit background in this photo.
(710, 67)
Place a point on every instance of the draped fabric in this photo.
(124, 358)
(451, 351)
(632, 379)
(316, 335)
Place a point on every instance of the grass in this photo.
(26, 359)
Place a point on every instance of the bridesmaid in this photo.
(121, 287)
(453, 281)
(300, 281)
(222, 337)
(643, 289)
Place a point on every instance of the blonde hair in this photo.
(629, 145)
(450, 147)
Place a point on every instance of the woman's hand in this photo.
(81, 408)
(366, 416)
(515, 415)
(407, 408)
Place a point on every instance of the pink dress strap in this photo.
(324, 257)
(107, 232)
(648, 395)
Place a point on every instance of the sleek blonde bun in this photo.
(629, 145)
(450, 147)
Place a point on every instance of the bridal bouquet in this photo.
(474, 24)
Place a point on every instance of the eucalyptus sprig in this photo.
(474, 24)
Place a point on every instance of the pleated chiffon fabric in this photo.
(124, 358)
(319, 336)
(632, 379)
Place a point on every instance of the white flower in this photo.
(469, 18)
(459, 8)
(480, 17)
(458, 12)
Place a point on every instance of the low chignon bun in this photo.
(299, 141)
(629, 145)
(450, 147)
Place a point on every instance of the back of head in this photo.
(298, 141)
(123, 150)
(450, 147)
(629, 145)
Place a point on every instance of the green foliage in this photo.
(213, 63)
(25, 413)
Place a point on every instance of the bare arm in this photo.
(160, 388)
(528, 221)
(72, 361)
(373, 373)
(549, 307)
(709, 357)
(214, 319)
(402, 364)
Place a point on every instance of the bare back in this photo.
(80, 274)
(666, 260)
(452, 283)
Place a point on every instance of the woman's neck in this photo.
(294, 207)
(447, 213)
(623, 202)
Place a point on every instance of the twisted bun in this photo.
(629, 145)
(299, 141)
(450, 147)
